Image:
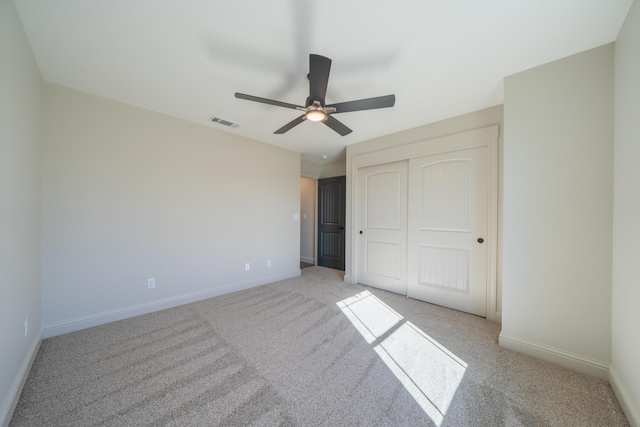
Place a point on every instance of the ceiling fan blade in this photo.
(337, 125)
(293, 123)
(319, 68)
(365, 104)
(267, 101)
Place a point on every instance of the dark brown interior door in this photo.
(331, 222)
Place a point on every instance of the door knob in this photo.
(360, 231)
(480, 240)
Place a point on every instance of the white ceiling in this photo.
(187, 58)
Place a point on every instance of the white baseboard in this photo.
(561, 357)
(308, 260)
(78, 323)
(622, 393)
(9, 405)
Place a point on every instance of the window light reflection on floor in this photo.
(427, 370)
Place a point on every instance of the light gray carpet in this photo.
(286, 354)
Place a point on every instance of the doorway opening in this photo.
(322, 222)
(308, 197)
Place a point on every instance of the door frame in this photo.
(342, 180)
(488, 137)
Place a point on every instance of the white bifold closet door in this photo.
(423, 223)
(382, 221)
(448, 224)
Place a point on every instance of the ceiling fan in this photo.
(315, 109)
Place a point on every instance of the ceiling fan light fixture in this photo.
(316, 115)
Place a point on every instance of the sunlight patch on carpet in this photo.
(370, 316)
(427, 370)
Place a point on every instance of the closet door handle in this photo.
(480, 240)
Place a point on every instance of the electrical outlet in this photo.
(151, 283)
(247, 267)
(26, 327)
(268, 263)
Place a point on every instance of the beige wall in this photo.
(467, 122)
(310, 169)
(129, 194)
(558, 173)
(333, 169)
(323, 170)
(625, 349)
(20, 104)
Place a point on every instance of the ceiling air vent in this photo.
(224, 122)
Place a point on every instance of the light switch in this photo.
(296, 217)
